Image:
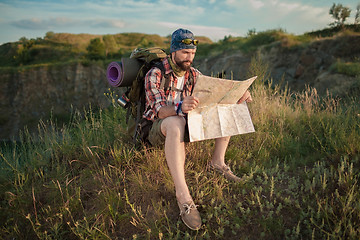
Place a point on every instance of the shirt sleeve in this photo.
(154, 95)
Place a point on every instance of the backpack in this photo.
(133, 77)
(138, 127)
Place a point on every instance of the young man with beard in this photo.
(167, 109)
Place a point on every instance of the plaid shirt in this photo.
(156, 97)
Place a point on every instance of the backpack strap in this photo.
(191, 80)
(165, 82)
(165, 78)
(137, 121)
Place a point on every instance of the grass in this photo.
(347, 68)
(333, 31)
(84, 180)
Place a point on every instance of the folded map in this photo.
(218, 114)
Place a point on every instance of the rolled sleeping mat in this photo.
(114, 74)
(122, 74)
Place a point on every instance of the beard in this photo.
(183, 65)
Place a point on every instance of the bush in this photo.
(347, 68)
(96, 49)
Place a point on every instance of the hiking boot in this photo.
(190, 215)
(226, 171)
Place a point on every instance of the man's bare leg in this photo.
(221, 145)
(218, 159)
(173, 128)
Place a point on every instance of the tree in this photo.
(340, 13)
(49, 35)
(23, 52)
(251, 32)
(96, 49)
(357, 15)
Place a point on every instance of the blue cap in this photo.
(178, 36)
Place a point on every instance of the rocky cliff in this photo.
(311, 64)
(31, 94)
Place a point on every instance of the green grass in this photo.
(333, 31)
(84, 180)
(347, 68)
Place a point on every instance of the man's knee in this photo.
(173, 124)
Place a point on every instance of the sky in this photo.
(211, 18)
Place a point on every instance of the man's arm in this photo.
(188, 104)
(154, 95)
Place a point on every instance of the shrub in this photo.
(96, 49)
(347, 68)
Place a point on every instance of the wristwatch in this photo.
(178, 109)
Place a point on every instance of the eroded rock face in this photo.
(37, 93)
(303, 65)
(232, 65)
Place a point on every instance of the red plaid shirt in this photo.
(156, 97)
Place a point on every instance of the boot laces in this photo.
(188, 207)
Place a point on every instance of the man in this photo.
(167, 108)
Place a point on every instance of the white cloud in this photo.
(256, 4)
(287, 6)
(214, 33)
(233, 3)
(63, 22)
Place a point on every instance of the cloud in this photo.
(63, 22)
(107, 23)
(287, 7)
(256, 4)
(307, 14)
(214, 33)
(40, 24)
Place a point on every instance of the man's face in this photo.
(184, 58)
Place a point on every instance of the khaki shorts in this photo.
(157, 138)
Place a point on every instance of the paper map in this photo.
(218, 114)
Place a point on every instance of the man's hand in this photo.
(189, 103)
(246, 97)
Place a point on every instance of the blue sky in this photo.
(212, 18)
